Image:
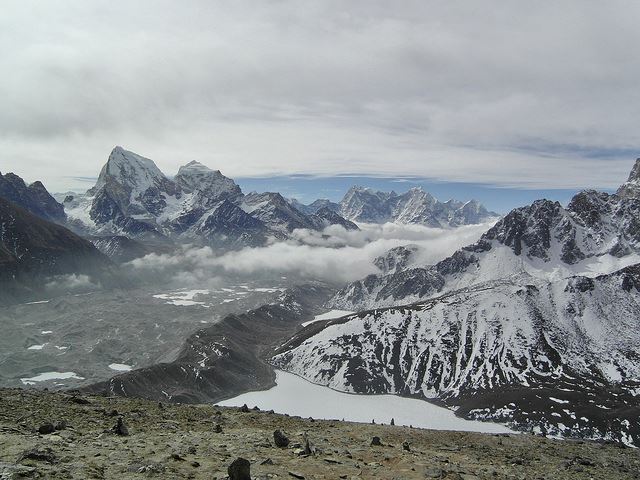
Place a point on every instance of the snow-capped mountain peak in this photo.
(194, 176)
(133, 172)
(416, 206)
(631, 188)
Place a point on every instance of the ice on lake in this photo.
(331, 314)
(45, 376)
(120, 367)
(295, 396)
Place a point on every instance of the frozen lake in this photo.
(295, 396)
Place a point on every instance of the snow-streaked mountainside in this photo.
(596, 233)
(133, 197)
(555, 356)
(397, 259)
(415, 206)
(535, 324)
(120, 249)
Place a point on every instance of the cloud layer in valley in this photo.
(524, 94)
(334, 256)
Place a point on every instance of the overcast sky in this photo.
(510, 93)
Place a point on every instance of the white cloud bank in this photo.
(335, 255)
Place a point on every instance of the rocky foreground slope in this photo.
(77, 439)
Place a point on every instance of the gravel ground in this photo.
(201, 441)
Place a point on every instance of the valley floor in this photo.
(181, 441)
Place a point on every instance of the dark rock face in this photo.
(275, 212)
(396, 259)
(34, 198)
(227, 224)
(528, 227)
(631, 188)
(120, 249)
(32, 248)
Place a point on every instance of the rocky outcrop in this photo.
(396, 259)
(32, 250)
(34, 198)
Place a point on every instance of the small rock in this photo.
(191, 450)
(177, 457)
(60, 425)
(120, 428)
(280, 439)
(195, 464)
(244, 409)
(433, 472)
(46, 428)
(375, 442)
(240, 469)
(217, 428)
(405, 446)
(79, 400)
(309, 448)
(296, 475)
(268, 461)
(9, 471)
(39, 454)
(393, 422)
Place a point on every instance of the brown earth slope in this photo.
(201, 441)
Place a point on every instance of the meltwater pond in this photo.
(295, 396)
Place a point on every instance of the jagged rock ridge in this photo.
(34, 198)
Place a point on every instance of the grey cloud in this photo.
(448, 90)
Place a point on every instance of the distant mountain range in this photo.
(365, 205)
(536, 324)
(134, 209)
(132, 197)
